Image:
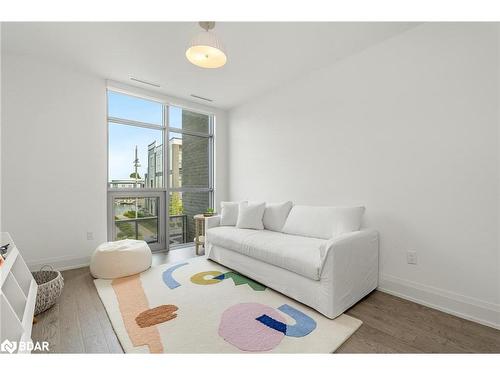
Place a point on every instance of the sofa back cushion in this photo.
(275, 215)
(229, 213)
(250, 215)
(323, 222)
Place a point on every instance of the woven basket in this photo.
(50, 285)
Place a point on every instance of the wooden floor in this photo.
(78, 323)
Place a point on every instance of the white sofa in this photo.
(319, 256)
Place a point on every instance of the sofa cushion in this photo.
(229, 213)
(275, 215)
(229, 237)
(250, 215)
(323, 222)
(301, 255)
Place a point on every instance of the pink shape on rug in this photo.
(240, 328)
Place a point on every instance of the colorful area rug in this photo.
(199, 306)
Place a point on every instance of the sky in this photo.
(124, 138)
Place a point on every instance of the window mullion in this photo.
(121, 121)
(166, 177)
(189, 132)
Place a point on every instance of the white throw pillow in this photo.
(323, 222)
(250, 215)
(275, 215)
(229, 213)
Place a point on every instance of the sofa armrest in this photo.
(349, 268)
(359, 246)
(212, 222)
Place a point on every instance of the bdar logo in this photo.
(8, 346)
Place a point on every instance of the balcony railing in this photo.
(146, 228)
(177, 229)
(141, 228)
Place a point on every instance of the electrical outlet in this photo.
(90, 236)
(411, 257)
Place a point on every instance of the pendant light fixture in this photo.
(206, 50)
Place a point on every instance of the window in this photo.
(136, 217)
(147, 141)
(190, 158)
(187, 120)
(188, 166)
(135, 156)
(132, 108)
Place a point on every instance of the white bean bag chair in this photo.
(112, 260)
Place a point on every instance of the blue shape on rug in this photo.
(304, 324)
(272, 323)
(168, 279)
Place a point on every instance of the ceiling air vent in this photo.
(145, 82)
(201, 98)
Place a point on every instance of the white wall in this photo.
(409, 128)
(54, 160)
(1, 128)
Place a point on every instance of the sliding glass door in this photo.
(160, 170)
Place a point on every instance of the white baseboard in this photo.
(465, 307)
(60, 263)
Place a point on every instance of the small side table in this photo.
(199, 225)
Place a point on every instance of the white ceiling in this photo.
(260, 55)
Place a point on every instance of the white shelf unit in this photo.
(17, 296)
